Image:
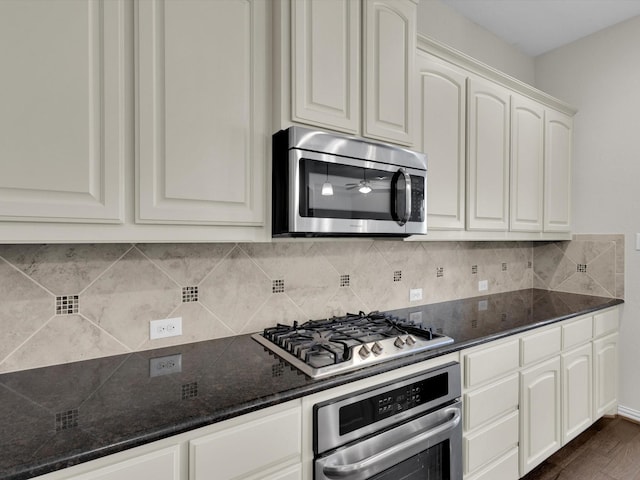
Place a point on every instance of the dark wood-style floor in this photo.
(609, 450)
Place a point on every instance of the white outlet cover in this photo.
(483, 285)
(167, 327)
(415, 294)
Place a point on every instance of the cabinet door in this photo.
(488, 156)
(160, 465)
(540, 427)
(389, 69)
(62, 121)
(557, 172)
(202, 114)
(577, 394)
(442, 133)
(605, 364)
(325, 56)
(527, 155)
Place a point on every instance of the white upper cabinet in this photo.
(347, 66)
(488, 156)
(557, 171)
(442, 105)
(202, 117)
(325, 63)
(389, 71)
(527, 150)
(62, 116)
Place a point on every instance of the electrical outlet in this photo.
(165, 365)
(483, 285)
(416, 317)
(167, 327)
(483, 305)
(415, 294)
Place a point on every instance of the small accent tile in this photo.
(504, 267)
(582, 268)
(529, 264)
(277, 370)
(503, 317)
(439, 272)
(66, 420)
(439, 330)
(278, 286)
(474, 323)
(66, 304)
(189, 390)
(344, 280)
(189, 294)
(397, 276)
(474, 269)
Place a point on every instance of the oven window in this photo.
(331, 190)
(431, 464)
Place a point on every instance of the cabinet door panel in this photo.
(527, 155)
(605, 361)
(540, 428)
(577, 384)
(62, 116)
(202, 134)
(325, 59)
(557, 172)
(442, 134)
(389, 63)
(488, 156)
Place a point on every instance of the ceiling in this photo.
(537, 26)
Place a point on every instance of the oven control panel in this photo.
(384, 405)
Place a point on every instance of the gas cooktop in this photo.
(339, 344)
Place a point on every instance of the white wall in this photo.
(442, 23)
(600, 75)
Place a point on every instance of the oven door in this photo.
(340, 195)
(428, 447)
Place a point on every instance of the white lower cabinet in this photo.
(540, 396)
(605, 359)
(268, 446)
(554, 382)
(577, 393)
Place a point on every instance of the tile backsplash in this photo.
(62, 303)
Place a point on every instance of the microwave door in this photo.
(341, 196)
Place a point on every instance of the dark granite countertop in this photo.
(63, 415)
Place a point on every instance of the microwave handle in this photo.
(353, 469)
(403, 217)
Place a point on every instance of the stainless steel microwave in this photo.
(326, 184)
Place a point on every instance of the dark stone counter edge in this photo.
(281, 397)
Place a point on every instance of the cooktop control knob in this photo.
(411, 341)
(376, 348)
(364, 352)
(399, 343)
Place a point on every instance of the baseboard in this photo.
(630, 413)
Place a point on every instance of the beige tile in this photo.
(345, 256)
(198, 324)
(398, 254)
(278, 259)
(551, 265)
(343, 302)
(63, 269)
(277, 309)
(186, 263)
(236, 289)
(372, 281)
(24, 308)
(583, 284)
(129, 295)
(619, 285)
(586, 251)
(66, 338)
(602, 270)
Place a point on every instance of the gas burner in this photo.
(338, 344)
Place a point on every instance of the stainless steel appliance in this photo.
(409, 429)
(339, 344)
(332, 185)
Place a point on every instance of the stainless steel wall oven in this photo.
(409, 429)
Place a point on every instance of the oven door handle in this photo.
(342, 471)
